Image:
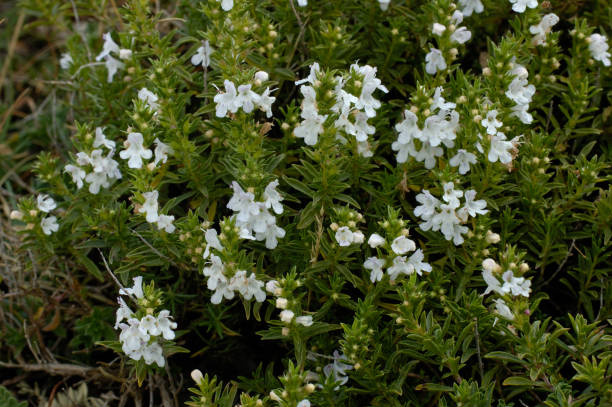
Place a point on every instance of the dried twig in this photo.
(61, 369)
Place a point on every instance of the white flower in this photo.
(149, 98)
(45, 203)
(77, 174)
(101, 140)
(344, 236)
(310, 128)
(544, 26)
(112, 66)
(272, 198)
(161, 151)
(500, 149)
(261, 76)
(463, 159)
(312, 77)
(429, 204)
(215, 273)
(304, 320)
(434, 61)
(358, 237)
(490, 265)
(164, 222)
(439, 103)
(271, 235)
(273, 288)
(150, 206)
(461, 35)
(520, 5)
(521, 111)
(125, 53)
(491, 122)
(265, 101)
(503, 310)
(212, 242)
(376, 266)
(438, 29)
(516, 285)
(133, 339)
(474, 207)
(135, 290)
(376, 240)
(222, 291)
(227, 5)
(134, 150)
(202, 55)
(123, 312)
(305, 402)
(370, 83)
(108, 46)
(149, 325)
(598, 46)
(243, 203)
(246, 98)
(281, 303)
(492, 281)
(470, 6)
(248, 287)
(337, 369)
(451, 195)
(227, 101)
(49, 225)
(287, 316)
(384, 4)
(153, 353)
(520, 91)
(402, 245)
(65, 61)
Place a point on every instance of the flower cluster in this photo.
(49, 223)
(354, 105)
(287, 306)
(396, 246)
(244, 98)
(425, 144)
(140, 337)
(446, 216)
(150, 208)
(135, 151)
(96, 168)
(521, 93)
(345, 229)
(509, 286)
(226, 278)
(254, 218)
(112, 64)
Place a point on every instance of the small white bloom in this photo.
(272, 198)
(503, 310)
(471, 6)
(463, 159)
(520, 5)
(305, 402)
(310, 128)
(598, 46)
(264, 102)
(376, 266)
(312, 77)
(542, 28)
(287, 316)
(376, 240)
(273, 288)
(149, 98)
(305, 320)
(66, 61)
(227, 101)
(166, 325)
(161, 152)
(438, 29)
(434, 61)
(461, 35)
(500, 149)
(101, 140)
(135, 290)
(108, 46)
(384, 4)
(164, 222)
(123, 312)
(246, 98)
(491, 122)
(150, 206)
(402, 245)
(358, 237)
(153, 353)
(493, 283)
(202, 55)
(520, 91)
(248, 287)
(215, 273)
(429, 204)
(451, 195)
(344, 236)
(227, 5)
(490, 265)
(135, 151)
(474, 207)
(521, 111)
(45, 203)
(125, 53)
(112, 66)
(49, 225)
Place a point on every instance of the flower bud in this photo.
(492, 238)
(309, 388)
(376, 240)
(281, 303)
(16, 215)
(197, 376)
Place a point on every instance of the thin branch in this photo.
(477, 336)
(62, 369)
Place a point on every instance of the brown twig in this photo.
(61, 369)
